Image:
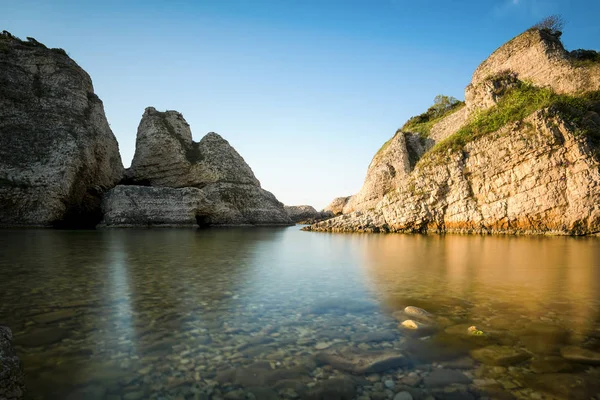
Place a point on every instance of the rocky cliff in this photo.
(57, 152)
(306, 214)
(12, 381)
(179, 182)
(525, 162)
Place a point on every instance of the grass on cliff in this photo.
(517, 104)
(442, 107)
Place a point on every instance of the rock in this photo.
(549, 364)
(567, 386)
(500, 355)
(403, 396)
(538, 175)
(580, 355)
(375, 337)
(12, 380)
(459, 363)
(536, 56)
(41, 337)
(166, 156)
(361, 362)
(58, 154)
(217, 187)
(130, 206)
(305, 214)
(418, 313)
(264, 393)
(416, 328)
(411, 380)
(322, 345)
(333, 389)
(336, 206)
(91, 392)
(445, 377)
(54, 316)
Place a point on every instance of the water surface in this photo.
(133, 314)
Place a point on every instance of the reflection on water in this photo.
(241, 313)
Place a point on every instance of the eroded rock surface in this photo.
(58, 154)
(174, 181)
(12, 381)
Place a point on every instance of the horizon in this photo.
(305, 92)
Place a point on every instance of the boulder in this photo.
(58, 154)
(12, 380)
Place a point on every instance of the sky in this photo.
(305, 90)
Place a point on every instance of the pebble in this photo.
(403, 396)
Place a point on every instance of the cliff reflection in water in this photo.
(168, 313)
(483, 279)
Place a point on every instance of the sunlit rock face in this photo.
(166, 155)
(179, 182)
(536, 56)
(57, 151)
(537, 175)
(336, 207)
(12, 382)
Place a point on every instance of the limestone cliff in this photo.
(179, 182)
(537, 56)
(166, 155)
(57, 152)
(527, 164)
(12, 381)
(306, 214)
(336, 207)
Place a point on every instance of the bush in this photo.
(442, 106)
(553, 24)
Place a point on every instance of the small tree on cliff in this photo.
(552, 23)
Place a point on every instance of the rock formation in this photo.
(57, 152)
(306, 214)
(538, 173)
(336, 207)
(178, 182)
(12, 381)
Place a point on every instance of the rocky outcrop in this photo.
(537, 175)
(57, 152)
(303, 213)
(336, 207)
(12, 381)
(165, 155)
(537, 56)
(174, 181)
(131, 206)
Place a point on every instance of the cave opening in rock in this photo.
(202, 221)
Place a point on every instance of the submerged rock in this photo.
(500, 355)
(58, 154)
(580, 355)
(361, 362)
(446, 377)
(12, 380)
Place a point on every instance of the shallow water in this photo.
(135, 314)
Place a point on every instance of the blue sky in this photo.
(305, 90)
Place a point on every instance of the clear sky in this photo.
(305, 90)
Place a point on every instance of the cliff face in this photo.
(166, 155)
(179, 182)
(57, 152)
(536, 56)
(535, 174)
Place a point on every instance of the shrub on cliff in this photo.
(442, 106)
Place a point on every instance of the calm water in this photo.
(242, 313)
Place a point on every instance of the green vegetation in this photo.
(584, 58)
(517, 104)
(442, 107)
